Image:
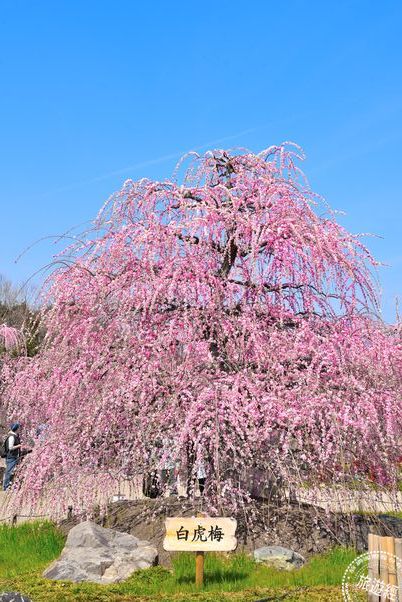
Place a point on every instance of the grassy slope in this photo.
(227, 578)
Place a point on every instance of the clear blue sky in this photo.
(92, 93)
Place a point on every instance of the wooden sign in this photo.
(200, 534)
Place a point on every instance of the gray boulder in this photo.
(93, 553)
(13, 597)
(279, 558)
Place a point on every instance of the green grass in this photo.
(28, 547)
(392, 513)
(227, 577)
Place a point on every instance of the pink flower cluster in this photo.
(11, 339)
(224, 315)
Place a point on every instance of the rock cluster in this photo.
(13, 597)
(100, 555)
(279, 558)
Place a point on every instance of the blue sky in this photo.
(95, 92)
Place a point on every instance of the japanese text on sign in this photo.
(203, 534)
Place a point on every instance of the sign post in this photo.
(199, 569)
(200, 534)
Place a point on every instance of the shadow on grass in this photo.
(215, 577)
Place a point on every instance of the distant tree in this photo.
(20, 332)
(19, 320)
(231, 316)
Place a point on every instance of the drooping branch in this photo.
(225, 315)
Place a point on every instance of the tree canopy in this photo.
(230, 316)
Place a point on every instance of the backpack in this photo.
(4, 448)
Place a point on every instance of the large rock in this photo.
(93, 553)
(279, 558)
(13, 597)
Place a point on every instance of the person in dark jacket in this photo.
(13, 449)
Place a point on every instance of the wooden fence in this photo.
(385, 568)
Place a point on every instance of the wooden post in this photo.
(388, 568)
(384, 576)
(389, 548)
(199, 569)
(199, 563)
(398, 554)
(373, 568)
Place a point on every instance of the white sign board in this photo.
(200, 534)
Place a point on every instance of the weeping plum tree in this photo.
(12, 342)
(18, 320)
(230, 318)
(11, 339)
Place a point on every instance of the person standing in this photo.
(169, 468)
(13, 453)
(201, 477)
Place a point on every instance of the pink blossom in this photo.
(226, 315)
